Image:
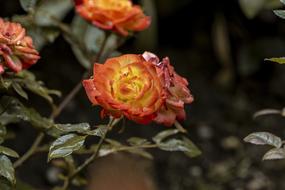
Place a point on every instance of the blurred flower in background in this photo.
(120, 16)
(16, 49)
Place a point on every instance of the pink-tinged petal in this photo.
(19, 37)
(141, 24)
(13, 63)
(177, 93)
(165, 117)
(121, 30)
(91, 90)
(1, 69)
(150, 57)
(180, 115)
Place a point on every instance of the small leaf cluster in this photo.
(266, 138)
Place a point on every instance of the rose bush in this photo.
(16, 48)
(120, 16)
(139, 87)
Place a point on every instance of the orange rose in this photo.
(120, 16)
(16, 49)
(176, 89)
(127, 85)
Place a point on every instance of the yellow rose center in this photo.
(128, 84)
(113, 4)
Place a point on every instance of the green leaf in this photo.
(38, 88)
(65, 146)
(280, 60)
(140, 152)
(100, 131)
(264, 138)
(185, 145)
(27, 80)
(6, 169)
(17, 87)
(5, 184)
(79, 27)
(137, 141)
(41, 35)
(16, 111)
(4, 83)
(164, 134)
(28, 5)
(8, 152)
(274, 154)
(267, 112)
(88, 41)
(51, 11)
(280, 13)
(3, 132)
(251, 8)
(79, 128)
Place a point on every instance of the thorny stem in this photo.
(56, 112)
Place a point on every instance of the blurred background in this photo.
(220, 47)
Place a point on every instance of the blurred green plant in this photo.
(251, 8)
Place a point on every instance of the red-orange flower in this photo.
(127, 85)
(16, 49)
(120, 16)
(176, 90)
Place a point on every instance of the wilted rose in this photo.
(127, 85)
(176, 89)
(120, 16)
(16, 49)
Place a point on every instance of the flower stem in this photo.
(56, 112)
(91, 158)
(180, 127)
(31, 151)
(66, 100)
(78, 87)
